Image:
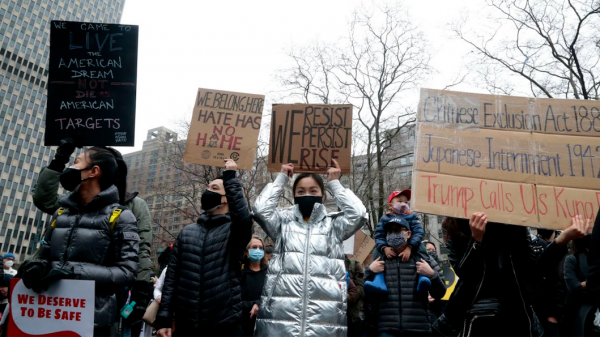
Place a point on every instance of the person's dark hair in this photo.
(453, 226)
(581, 245)
(114, 169)
(430, 243)
(545, 234)
(163, 258)
(316, 177)
(219, 177)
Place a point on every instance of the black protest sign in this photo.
(92, 83)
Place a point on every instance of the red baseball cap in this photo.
(394, 194)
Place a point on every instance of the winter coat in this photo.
(416, 229)
(202, 284)
(45, 198)
(253, 283)
(305, 291)
(357, 275)
(82, 240)
(576, 271)
(404, 310)
(502, 266)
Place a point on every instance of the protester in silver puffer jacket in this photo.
(305, 289)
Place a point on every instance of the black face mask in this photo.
(433, 255)
(70, 178)
(210, 200)
(307, 203)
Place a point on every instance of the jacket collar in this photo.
(319, 213)
(129, 196)
(107, 197)
(213, 220)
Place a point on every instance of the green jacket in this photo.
(45, 198)
(357, 275)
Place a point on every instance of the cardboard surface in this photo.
(462, 110)
(512, 203)
(558, 205)
(310, 136)
(363, 246)
(225, 125)
(92, 74)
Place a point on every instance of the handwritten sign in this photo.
(310, 136)
(363, 246)
(225, 125)
(66, 308)
(524, 161)
(92, 83)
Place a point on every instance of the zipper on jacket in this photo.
(471, 324)
(77, 218)
(512, 265)
(304, 295)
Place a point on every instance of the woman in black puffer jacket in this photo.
(495, 264)
(81, 243)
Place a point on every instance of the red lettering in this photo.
(541, 204)
(22, 298)
(429, 187)
(533, 207)
(512, 206)
(23, 311)
(61, 302)
(200, 138)
(558, 203)
(68, 302)
(237, 142)
(481, 194)
(78, 316)
(76, 302)
(82, 304)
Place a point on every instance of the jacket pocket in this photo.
(270, 295)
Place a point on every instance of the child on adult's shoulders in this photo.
(399, 208)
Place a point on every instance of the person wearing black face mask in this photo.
(202, 285)
(307, 274)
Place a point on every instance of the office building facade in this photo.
(24, 55)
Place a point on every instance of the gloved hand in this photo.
(56, 274)
(65, 150)
(140, 293)
(33, 275)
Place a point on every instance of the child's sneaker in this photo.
(424, 283)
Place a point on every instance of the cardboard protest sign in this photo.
(363, 246)
(310, 136)
(65, 309)
(92, 83)
(524, 161)
(225, 125)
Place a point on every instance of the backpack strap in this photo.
(114, 217)
(60, 211)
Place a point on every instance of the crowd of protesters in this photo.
(220, 279)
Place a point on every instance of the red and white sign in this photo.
(65, 309)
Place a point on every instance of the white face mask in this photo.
(9, 263)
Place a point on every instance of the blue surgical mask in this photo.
(256, 255)
(396, 240)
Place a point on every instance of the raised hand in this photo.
(377, 266)
(230, 165)
(578, 229)
(477, 223)
(288, 169)
(335, 172)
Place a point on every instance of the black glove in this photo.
(65, 150)
(56, 274)
(33, 275)
(140, 294)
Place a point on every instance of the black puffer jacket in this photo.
(82, 240)
(202, 284)
(503, 267)
(404, 310)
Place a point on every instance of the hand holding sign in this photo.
(578, 229)
(230, 165)
(335, 172)
(288, 169)
(477, 223)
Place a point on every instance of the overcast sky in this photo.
(239, 46)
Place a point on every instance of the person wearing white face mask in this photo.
(9, 261)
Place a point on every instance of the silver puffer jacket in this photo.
(305, 290)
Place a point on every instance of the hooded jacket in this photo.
(82, 240)
(46, 199)
(305, 291)
(202, 283)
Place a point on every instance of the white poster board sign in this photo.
(66, 309)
